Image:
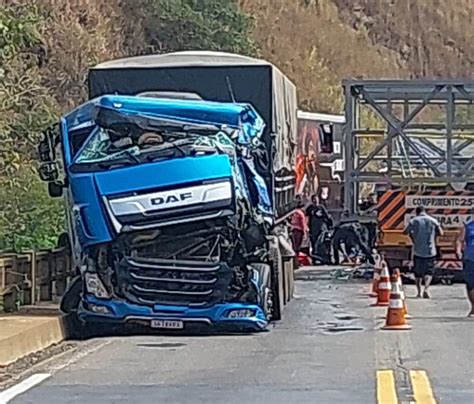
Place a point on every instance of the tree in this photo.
(28, 218)
(177, 25)
(40, 77)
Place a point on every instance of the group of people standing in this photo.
(326, 239)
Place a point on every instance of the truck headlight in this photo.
(95, 287)
(240, 313)
(95, 308)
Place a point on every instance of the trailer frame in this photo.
(452, 165)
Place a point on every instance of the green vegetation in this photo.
(173, 25)
(45, 50)
(27, 216)
(46, 47)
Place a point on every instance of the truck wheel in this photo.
(72, 296)
(289, 276)
(268, 305)
(278, 282)
(75, 328)
(278, 293)
(265, 295)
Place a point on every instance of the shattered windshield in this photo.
(132, 146)
(100, 147)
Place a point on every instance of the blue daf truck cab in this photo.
(178, 180)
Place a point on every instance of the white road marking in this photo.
(22, 387)
(77, 356)
(45, 370)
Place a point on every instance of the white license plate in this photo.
(169, 324)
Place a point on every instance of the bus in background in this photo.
(319, 162)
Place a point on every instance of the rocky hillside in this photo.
(46, 47)
(319, 42)
(432, 37)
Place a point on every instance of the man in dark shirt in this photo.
(320, 222)
(423, 230)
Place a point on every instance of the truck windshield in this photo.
(107, 147)
(100, 148)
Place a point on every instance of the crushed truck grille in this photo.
(158, 281)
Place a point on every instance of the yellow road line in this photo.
(386, 392)
(421, 387)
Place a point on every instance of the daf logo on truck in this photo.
(170, 199)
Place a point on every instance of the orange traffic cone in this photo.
(396, 272)
(396, 314)
(383, 293)
(376, 278)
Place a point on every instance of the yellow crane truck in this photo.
(412, 142)
(396, 207)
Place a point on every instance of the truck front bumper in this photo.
(119, 312)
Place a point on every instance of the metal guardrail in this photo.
(33, 277)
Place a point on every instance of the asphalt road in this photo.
(328, 349)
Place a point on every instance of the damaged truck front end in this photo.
(139, 280)
(169, 220)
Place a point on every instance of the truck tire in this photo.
(72, 296)
(290, 279)
(288, 258)
(278, 280)
(286, 283)
(265, 289)
(75, 328)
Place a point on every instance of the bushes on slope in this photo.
(46, 48)
(173, 25)
(27, 217)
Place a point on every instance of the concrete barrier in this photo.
(22, 335)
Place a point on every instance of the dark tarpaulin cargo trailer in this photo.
(220, 77)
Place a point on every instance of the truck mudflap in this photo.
(166, 317)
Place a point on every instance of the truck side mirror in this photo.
(327, 134)
(44, 150)
(55, 189)
(47, 145)
(48, 172)
(48, 169)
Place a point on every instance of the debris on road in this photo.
(12, 372)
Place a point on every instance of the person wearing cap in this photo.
(423, 230)
(465, 251)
